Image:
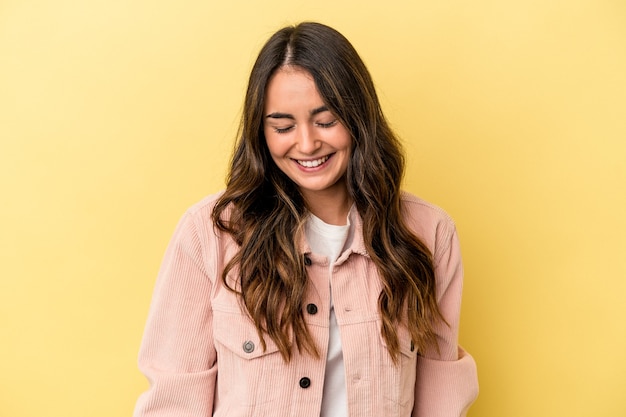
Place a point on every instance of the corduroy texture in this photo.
(203, 356)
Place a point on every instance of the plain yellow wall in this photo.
(117, 115)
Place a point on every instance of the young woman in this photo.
(311, 286)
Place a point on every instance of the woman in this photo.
(312, 286)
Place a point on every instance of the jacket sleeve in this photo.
(177, 353)
(446, 383)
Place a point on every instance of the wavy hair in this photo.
(264, 210)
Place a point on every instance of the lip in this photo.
(325, 159)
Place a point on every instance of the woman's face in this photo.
(307, 142)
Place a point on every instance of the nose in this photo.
(307, 143)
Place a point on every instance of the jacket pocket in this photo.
(399, 385)
(246, 373)
(237, 333)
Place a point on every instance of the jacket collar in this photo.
(355, 238)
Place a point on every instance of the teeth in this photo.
(315, 163)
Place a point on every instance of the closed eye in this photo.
(283, 129)
(327, 125)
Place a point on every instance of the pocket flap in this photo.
(237, 333)
(407, 347)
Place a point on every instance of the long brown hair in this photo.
(264, 211)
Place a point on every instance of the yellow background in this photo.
(117, 115)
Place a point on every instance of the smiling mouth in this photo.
(314, 163)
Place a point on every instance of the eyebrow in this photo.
(278, 115)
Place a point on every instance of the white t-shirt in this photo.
(330, 240)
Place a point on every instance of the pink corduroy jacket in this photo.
(203, 357)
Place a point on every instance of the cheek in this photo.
(276, 147)
(270, 142)
(343, 140)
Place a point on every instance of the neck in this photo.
(331, 206)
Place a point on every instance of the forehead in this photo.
(291, 86)
(290, 70)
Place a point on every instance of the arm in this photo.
(177, 354)
(446, 383)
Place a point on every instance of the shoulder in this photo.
(423, 212)
(432, 224)
(197, 234)
(204, 207)
(416, 204)
(201, 212)
(198, 221)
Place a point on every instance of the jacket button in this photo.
(248, 346)
(305, 382)
(307, 261)
(311, 309)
